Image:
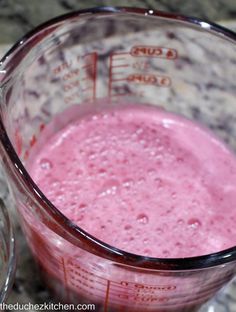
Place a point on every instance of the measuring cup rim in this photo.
(59, 223)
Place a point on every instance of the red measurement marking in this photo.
(86, 78)
(76, 278)
(150, 79)
(84, 283)
(94, 75)
(87, 88)
(142, 299)
(80, 274)
(118, 54)
(73, 97)
(119, 79)
(89, 54)
(71, 74)
(65, 278)
(153, 51)
(70, 86)
(61, 67)
(171, 54)
(142, 79)
(142, 65)
(110, 75)
(33, 140)
(149, 299)
(77, 281)
(121, 65)
(119, 58)
(112, 58)
(107, 297)
(86, 66)
(124, 296)
(64, 271)
(118, 73)
(75, 269)
(153, 287)
(156, 287)
(140, 93)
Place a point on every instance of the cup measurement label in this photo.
(153, 51)
(117, 292)
(78, 78)
(130, 73)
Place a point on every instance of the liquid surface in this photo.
(142, 180)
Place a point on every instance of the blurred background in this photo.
(19, 16)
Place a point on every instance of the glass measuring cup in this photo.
(181, 64)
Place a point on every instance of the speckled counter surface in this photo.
(29, 288)
(19, 16)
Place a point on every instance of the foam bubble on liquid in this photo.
(127, 183)
(109, 188)
(142, 218)
(45, 164)
(194, 223)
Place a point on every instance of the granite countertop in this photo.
(28, 286)
(19, 16)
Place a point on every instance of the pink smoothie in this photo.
(143, 180)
